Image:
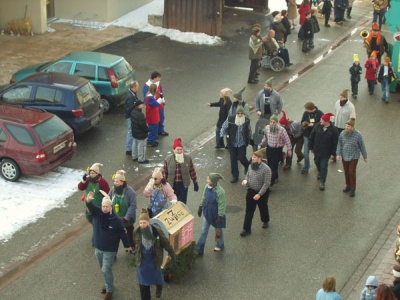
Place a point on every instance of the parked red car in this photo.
(32, 142)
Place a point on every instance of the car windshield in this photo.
(86, 93)
(122, 69)
(44, 66)
(50, 129)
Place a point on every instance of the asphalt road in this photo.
(312, 233)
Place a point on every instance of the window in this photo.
(61, 67)
(18, 94)
(86, 93)
(103, 74)
(48, 95)
(86, 71)
(21, 135)
(122, 69)
(3, 136)
(50, 129)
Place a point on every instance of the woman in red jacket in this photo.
(304, 7)
(371, 65)
(152, 115)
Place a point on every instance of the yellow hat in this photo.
(355, 58)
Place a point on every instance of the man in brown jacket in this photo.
(255, 53)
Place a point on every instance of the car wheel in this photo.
(106, 104)
(10, 170)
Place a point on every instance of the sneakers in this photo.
(346, 189)
(265, 225)
(146, 161)
(244, 233)
(321, 186)
(155, 144)
(218, 249)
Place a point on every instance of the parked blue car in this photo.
(74, 99)
(110, 74)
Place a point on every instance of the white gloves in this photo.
(173, 202)
(150, 185)
(244, 182)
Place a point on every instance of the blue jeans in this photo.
(371, 85)
(235, 154)
(379, 15)
(106, 260)
(306, 155)
(202, 240)
(162, 118)
(138, 149)
(385, 88)
(128, 146)
(322, 166)
(153, 133)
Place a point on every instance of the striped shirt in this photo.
(276, 139)
(259, 180)
(350, 146)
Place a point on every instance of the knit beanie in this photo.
(351, 122)
(120, 175)
(274, 117)
(214, 177)
(375, 26)
(96, 168)
(106, 198)
(284, 120)
(327, 117)
(374, 54)
(240, 109)
(260, 153)
(226, 92)
(238, 95)
(344, 93)
(144, 215)
(157, 173)
(177, 143)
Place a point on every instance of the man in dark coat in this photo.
(323, 141)
(140, 131)
(131, 98)
(308, 33)
(396, 282)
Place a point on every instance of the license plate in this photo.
(128, 82)
(59, 147)
(95, 120)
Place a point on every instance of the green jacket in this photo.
(255, 47)
(159, 244)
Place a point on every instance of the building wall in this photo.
(15, 9)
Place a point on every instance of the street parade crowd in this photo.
(329, 136)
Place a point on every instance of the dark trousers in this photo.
(322, 166)
(251, 205)
(349, 9)
(129, 233)
(306, 43)
(354, 88)
(180, 191)
(297, 146)
(339, 14)
(350, 168)
(235, 154)
(145, 293)
(253, 69)
(284, 54)
(371, 86)
(327, 17)
(274, 156)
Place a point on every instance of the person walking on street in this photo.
(308, 33)
(370, 290)
(155, 78)
(268, 101)
(295, 133)
(213, 207)
(93, 183)
(311, 116)
(343, 110)
(108, 230)
(376, 41)
(159, 192)
(238, 130)
(380, 7)
(257, 181)
(355, 72)
(140, 132)
(349, 8)
(123, 199)
(386, 74)
(224, 105)
(348, 150)
(178, 169)
(323, 141)
(150, 244)
(328, 291)
(131, 98)
(255, 54)
(152, 115)
(371, 66)
(326, 11)
(292, 12)
(275, 138)
(340, 7)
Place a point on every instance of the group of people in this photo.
(141, 126)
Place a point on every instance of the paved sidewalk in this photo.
(378, 262)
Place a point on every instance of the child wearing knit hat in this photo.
(355, 72)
